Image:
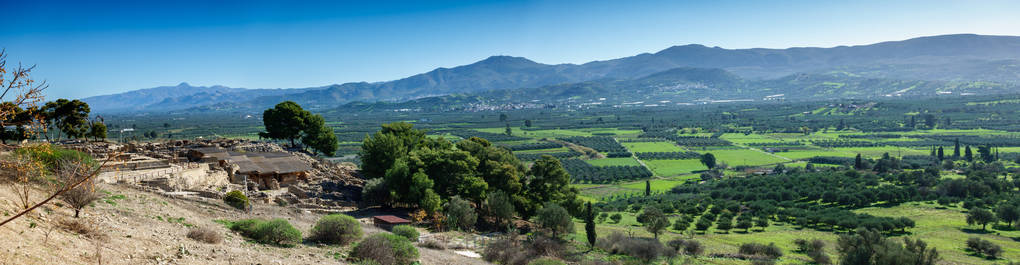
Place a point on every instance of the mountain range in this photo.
(930, 64)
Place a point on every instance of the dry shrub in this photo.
(79, 197)
(507, 252)
(205, 235)
(546, 261)
(85, 228)
(687, 247)
(510, 252)
(432, 244)
(646, 249)
(754, 249)
(385, 249)
(544, 246)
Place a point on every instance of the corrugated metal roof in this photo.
(391, 219)
(250, 162)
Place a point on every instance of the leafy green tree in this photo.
(285, 121)
(288, 121)
(527, 123)
(681, 224)
(69, 116)
(453, 172)
(616, 217)
(762, 222)
(654, 220)
(551, 183)
(318, 136)
(869, 247)
(985, 152)
(394, 141)
(703, 224)
(745, 224)
(420, 184)
(502, 117)
(556, 219)
(589, 225)
(17, 117)
(430, 202)
(1008, 212)
(500, 206)
(724, 223)
(509, 131)
(500, 169)
(460, 214)
(708, 159)
(980, 216)
(97, 131)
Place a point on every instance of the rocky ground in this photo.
(130, 226)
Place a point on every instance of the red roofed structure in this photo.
(388, 221)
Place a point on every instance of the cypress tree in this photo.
(942, 154)
(956, 150)
(967, 154)
(648, 188)
(858, 163)
(589, 226)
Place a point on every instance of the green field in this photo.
(714, 241)
(805, 154)
(740, 138)
(674, 167)
(745, 157)
(878, 151)
(616, 161)
(944, 229)
(542, 151)
(559, 133)
(642, 147)
(947, 229)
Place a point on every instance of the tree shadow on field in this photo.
(975, 231)
(1002, 227)
(899, 233)
(886, 204)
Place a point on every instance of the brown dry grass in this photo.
(87, 228)
(205, 235)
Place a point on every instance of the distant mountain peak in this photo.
(945, 57)
(505, 59)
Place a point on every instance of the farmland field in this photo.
(805, 154)
(751, 147)
(674, 167)
(642, 147)
(947, 229)
(745, 157)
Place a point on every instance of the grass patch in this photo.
(674, 167)
(947, 229)
(745, 157)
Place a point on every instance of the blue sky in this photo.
(85, 48)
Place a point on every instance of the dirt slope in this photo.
(147, 228)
